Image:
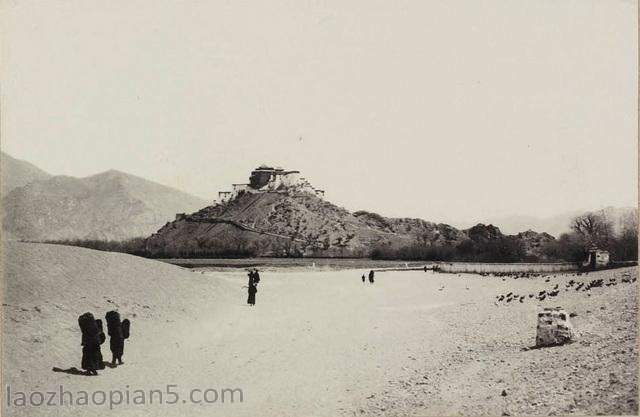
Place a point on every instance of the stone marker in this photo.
(554, 328)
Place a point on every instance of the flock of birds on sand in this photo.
(577, 286)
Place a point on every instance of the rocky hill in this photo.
(108, 206)
(534, 243)
(284, 223)
(15, 173)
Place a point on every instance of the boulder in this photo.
(554, 328)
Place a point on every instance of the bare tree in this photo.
(630, 223)
(595, 228)
(626, 244)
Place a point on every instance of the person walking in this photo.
(371, 276)
(363, 278)
(118, 331)
(92, 338)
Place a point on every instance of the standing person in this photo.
(118, 331)
(92, 338)
(256, 276)
(371, 276)
(252, 290)
(363, 278)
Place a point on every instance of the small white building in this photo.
(239, 187)
(224, 196)
(596, 259)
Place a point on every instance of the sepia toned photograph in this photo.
(319, 208)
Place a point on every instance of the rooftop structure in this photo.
(266, 178)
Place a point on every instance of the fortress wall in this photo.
(290, 179)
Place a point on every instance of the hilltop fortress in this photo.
(279, 213)
(267, 179)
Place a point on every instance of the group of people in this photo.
(254, 279)
(93, 336)
(252, 286)
(371, 274)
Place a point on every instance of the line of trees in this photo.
(504, 249)
(135, 246)
(138, 247)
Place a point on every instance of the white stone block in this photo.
(554, 328)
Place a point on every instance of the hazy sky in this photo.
(445, 110)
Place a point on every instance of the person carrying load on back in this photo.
(92, 337)
(118, 331)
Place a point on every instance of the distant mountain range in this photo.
(109, 206)
(15, 173)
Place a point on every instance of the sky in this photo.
(444, 110)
